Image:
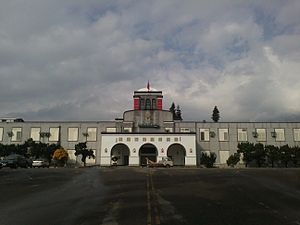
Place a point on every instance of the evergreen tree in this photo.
(178, 113)
(172, 110)
(216, 114)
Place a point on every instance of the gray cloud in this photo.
(82, 60)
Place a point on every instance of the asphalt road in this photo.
(143, 196)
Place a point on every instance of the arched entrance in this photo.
(177, 153)
(147, 151)
(121, 151)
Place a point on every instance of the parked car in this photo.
(15, 161)
(164, 162)
(40, 163)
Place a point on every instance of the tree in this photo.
(273, 154)
(216, 114)
(60, 155)
(259, 154)
(172, 110)
(81, 149)
(233, 159)
(295, 155)
(285, 155)
(246, 149)
(178, 113)
(208, 160)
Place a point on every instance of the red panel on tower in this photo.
(136, 104)
(159, 104)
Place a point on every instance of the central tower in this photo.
(147, 99)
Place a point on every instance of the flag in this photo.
(148, 86)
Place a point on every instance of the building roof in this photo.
(146, 89)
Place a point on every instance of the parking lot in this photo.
(52, 196)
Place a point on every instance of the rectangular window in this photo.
(176, 139)
(111, 129)
(223, 134)
(136, 139)
(261, 134)
(204, 134)
(54, 134)
(128, 139)
(297, 134)
(169, 129)
(35, 133)
(168, 139)
(127, 129)
(120, 139)
(185, 130)
(152, 139)
(224, 155)
(72, 134)
(279, 135)
(1, 133)
(144, 139)
(92, 134)
(16, 134)
(242, 135)
(160, 139)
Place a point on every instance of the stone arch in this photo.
(147, 151)
(177, 153)
(122, 152)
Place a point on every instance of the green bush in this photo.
(208, 160)
(233, 159)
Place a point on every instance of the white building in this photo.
(149, 131)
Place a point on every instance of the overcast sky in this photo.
(82, 59)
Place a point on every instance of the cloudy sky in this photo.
(82, 60)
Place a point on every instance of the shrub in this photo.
(233, 159)
(208, 160)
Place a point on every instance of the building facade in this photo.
(149, 131)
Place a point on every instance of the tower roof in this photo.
(146, 89)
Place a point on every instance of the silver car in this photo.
(40, 163)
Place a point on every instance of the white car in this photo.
(40, 163)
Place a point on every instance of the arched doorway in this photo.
(177, 153)
(121, 151)
(147, 151)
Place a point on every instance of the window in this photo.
(54, 134)
(152, 139)
(176, 139)
(136, 139)
(35, 133)
(160, 139)
(154, 103)
(72, 134)
(16, 134)
(148, 104)
(92, 134)
(297, 134)
(120, 139)
(111, 129)
(204, 134)
(185, 130)
(242, 135)
(279, 135)
(142, 103)
(1, 133)
(223, 134)
(168, 139)
(261, 134)
(144, 139)
(127, 129)
(169, 129)
(128, 139)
